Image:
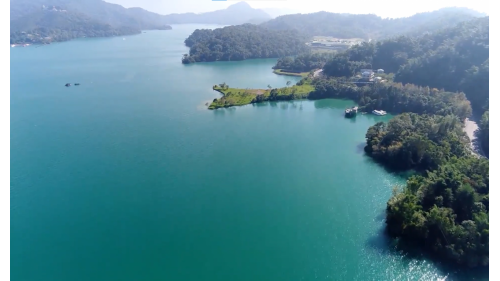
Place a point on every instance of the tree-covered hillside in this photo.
(303, 62)
(240, 42)
(456, 59)
(50, 26)
(446, 209)
(36, 20)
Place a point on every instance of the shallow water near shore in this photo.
(129, 177)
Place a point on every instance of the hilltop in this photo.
(238, 13)
(369, 26)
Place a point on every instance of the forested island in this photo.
(240, 42)
(434, 81)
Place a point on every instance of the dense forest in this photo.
(240, 42)
(414, 141)
(369, 26)
(303, 62)
(445, 209)
(484, 132)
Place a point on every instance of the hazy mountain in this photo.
(112, 14)
(276, 12)
(238, 13)
(370, 26)
(40, 21)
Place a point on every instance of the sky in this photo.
(383, 8)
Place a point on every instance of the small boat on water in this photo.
(379, 112)
(351, 112)
(77, 84)
(67, 84)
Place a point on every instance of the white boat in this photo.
(379, 112)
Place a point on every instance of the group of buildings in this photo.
(368, 75)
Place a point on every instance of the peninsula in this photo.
(241, 42)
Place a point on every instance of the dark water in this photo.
(129, 177)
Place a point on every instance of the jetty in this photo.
(351, 112)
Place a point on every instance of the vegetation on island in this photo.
(240, 42)
(369, 26)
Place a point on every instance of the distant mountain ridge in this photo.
(238, 13)
(41, 21)
(370, 26)
(117, 15)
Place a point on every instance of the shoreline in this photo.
(296, 74)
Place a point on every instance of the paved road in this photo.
(471, 129)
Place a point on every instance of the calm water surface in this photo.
(130, 177)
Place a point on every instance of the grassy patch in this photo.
(236, 96)
(299, 74)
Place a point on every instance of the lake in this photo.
(129, 177)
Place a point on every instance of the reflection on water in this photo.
(333, 104)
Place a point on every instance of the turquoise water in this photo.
(130, 177)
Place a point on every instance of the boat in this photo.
(77, 84)
(351, 112)
(67, 84)
(379, 112)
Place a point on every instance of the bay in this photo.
(130, 177)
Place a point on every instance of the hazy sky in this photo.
(383, 8)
